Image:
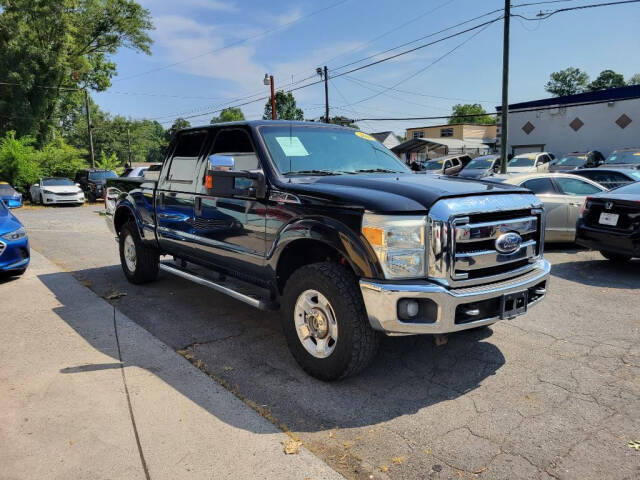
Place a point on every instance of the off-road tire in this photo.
(147, 258)
(357, 342)
(615, 257)
(91, 197)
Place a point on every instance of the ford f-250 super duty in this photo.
(327, 224)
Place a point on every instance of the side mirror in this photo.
(222, 180)
(221, 163)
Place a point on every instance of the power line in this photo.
(237, 42)
(544, 16)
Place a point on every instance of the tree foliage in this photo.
(231, 114)
(567, 82)
(341, 120)
(470, 113)
(109, 162)
(50, 48)
(634, 79)
(607, 79)
(286, 108)
(178, 124)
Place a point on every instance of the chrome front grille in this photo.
(462, 233)
(2, 247)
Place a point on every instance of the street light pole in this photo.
(326, 94)
(268, 80)
(504, 130)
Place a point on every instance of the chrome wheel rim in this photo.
(316, 324)
(130, 253)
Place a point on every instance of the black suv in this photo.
(92, 181)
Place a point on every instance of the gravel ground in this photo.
(553, 394)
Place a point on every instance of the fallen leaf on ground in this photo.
(635, 445)
(427, 451)
(478, 472)
(348, 444)
(384, 468)
(113, 296)
(399, 459)
(291, 447)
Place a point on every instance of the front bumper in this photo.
(53, 199)
(14, 255)
(447, 309)
(13, 202)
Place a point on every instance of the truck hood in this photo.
(390, 192)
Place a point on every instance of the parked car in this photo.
(624, 158)
(609, 178)
(562, 195)
(481, 167)
(610, 223)
(10, 196)
(331, 225)
(449, 165)
(92, 181)
(133, 172)
(14, 244)
(56, 190)
(530, 162)
(576, 160)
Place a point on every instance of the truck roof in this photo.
(259, 123)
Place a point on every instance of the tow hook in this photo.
(440, 339)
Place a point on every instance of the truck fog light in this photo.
(408, 308)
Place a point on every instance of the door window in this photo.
(540, 186)
(575, 186)
(185, 157)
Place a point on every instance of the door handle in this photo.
(197, 206)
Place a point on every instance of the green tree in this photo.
(109, 162)
(51, 48)
(634, 79)
(18, 161)
(231, 114)
(607, 79)
(286, 108)
(470, 113)
(178, 124)
(58, 159)
(341, 120)
(567, 82)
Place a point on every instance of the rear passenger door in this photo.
(231, 229)
(555, 206)
(176, 191)
(576, 191)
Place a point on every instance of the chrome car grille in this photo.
(2, 247)
(463, 248)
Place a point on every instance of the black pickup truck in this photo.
(328, 225)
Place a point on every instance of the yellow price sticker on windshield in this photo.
(366, 136)
(637, 154)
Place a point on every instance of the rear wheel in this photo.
(325, 322)
(91, 197)
(615, 257)
(139, 262)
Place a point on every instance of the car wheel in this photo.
(139, 262)
(91, 197)
(615, 257)
(325, 322)
(40, 200)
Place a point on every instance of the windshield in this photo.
(102, 175)
(434, 165)
(480, 163)
(327, 151)
(624, 157)
(57, 182)
(521, 162)
(6, 190)
(572, 160)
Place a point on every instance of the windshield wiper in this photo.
(375, 170)
(313, 172)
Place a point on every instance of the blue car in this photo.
(10, 196)
(14, 244)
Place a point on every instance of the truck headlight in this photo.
(399, 243)
(15, 235)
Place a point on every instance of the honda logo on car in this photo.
(508, 242)
(608, 206)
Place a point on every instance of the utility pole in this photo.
(268, 80)
(505, 89)
(129, 144)
(326, 95)
(89, 127)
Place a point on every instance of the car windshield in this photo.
(571, 160)
(630, 157)
(57, 182)
(102, 175)
(6, 190)
(521, 162)
(301, 150)
(480, 163)
(434, 165)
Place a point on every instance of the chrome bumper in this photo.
(381, 301)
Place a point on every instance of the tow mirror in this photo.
(221, 180)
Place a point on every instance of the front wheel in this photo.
(615, 257)
(325, 323)
(139, 262)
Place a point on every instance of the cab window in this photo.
(575, 186)
(540, 186)
(185, 157)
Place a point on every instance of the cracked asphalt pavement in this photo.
(553, 394)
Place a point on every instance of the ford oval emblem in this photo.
(508, 243)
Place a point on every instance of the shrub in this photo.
(19, 163)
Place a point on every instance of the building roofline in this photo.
(611, 94)
(453, 125)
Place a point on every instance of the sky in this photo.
(235, 42)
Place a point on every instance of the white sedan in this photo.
(56, 190)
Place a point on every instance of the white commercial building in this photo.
(604, 120)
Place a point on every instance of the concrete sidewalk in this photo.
(86, 393)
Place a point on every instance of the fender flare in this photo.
(125, 204)
(334, 234)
